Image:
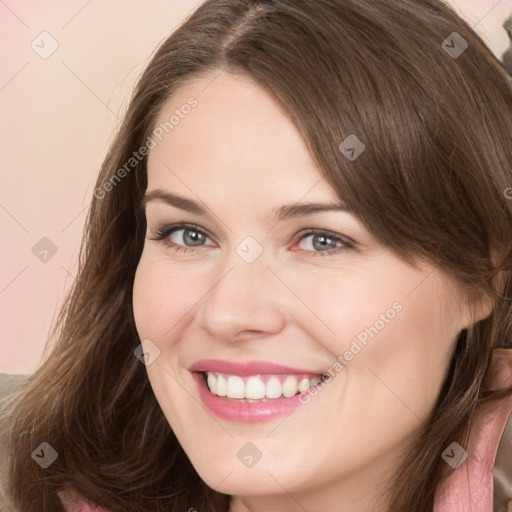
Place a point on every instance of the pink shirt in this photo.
(470, 486)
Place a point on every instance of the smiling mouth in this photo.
(258, 388)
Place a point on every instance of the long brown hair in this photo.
(433, 107)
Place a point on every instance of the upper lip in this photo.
(246, 368)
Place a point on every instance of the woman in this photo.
(294, 287)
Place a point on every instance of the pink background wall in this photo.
(58, 115)
(59, 112)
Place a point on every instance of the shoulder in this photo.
(502, 472)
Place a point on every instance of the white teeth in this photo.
(212, 383)
(290, 387)
(304, 385)
(273, 388)
(222, 386)
(255, 388)
(236, 387)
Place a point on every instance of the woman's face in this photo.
(243, 291)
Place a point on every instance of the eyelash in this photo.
(162, 232)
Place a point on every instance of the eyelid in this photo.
(328, 232)
(165, 230)
(176, 226)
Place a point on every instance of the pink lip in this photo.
(241, 411)
(245, 369)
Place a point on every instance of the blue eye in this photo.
(190, 234)
(188, 237)
(321, 240)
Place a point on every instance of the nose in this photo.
(245, 300)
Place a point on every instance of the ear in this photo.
(483, 305)
(480, 309)
(474, 306)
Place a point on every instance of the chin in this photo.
(238, 482)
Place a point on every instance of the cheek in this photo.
(404, 363)
(162, 296)
(387, 328)
(346, 306)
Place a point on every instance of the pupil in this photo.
(323, 241)
(194, 236)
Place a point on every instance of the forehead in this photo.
(237, 138)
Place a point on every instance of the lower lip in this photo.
(244, 412)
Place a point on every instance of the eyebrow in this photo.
(279, 214)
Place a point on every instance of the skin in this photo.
(240, 155)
